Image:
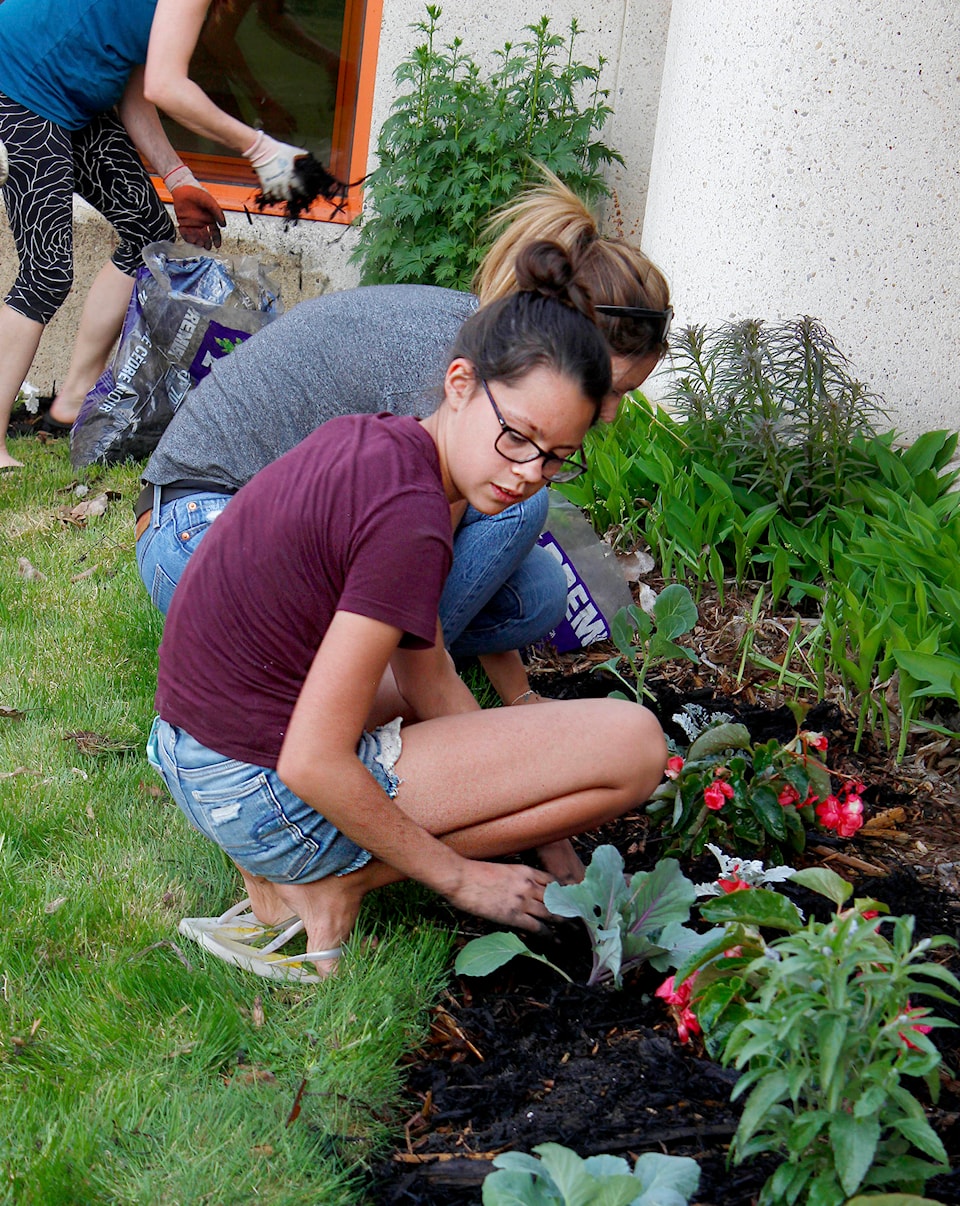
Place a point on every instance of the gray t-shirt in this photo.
(379, 348)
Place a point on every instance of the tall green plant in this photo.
(457, 145)
(776, 407)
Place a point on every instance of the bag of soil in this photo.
(187, 310)
(596, 590)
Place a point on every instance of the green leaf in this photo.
(662, 1177)
(854, 1142)
(484, 955)
(891, 1199)
(828, 883)
(717, 739)
(922, 1135)
(758, 906)
(674, 611)
(767, 1093)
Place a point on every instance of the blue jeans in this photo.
(503, 591)
(250, 813)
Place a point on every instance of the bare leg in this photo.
(497, 782)
(19, 340)
(100, 323)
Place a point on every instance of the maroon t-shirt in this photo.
(352, 519)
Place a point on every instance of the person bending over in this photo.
(304, 632)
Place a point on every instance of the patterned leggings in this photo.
(48, 164)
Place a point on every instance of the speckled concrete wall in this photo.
(806, 161)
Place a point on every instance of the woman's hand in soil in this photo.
(504, 892)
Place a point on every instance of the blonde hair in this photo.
(612, 271)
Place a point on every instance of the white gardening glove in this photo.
(275, 164)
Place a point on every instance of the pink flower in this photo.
(674, 767)
(675, 996)
(788, 796)
(718, 791)
(816, 741)
(845, 816)
(678, 1000)
(733, 885)
(920, 1027)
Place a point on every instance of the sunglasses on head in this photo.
(658, 321)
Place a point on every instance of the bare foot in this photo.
(64, 412)
(560, 859)
(268, 906)
(8, 462)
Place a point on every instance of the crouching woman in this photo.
(304, 632)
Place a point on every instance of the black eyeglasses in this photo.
(658, 321)
(513, 446)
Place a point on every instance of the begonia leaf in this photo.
(756, 906)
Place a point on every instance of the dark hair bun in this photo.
(545, 268)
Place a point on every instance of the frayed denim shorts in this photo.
(254, 817)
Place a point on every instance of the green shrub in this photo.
(457, 146)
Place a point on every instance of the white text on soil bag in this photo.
(584, 622)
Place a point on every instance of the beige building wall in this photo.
(807, 161)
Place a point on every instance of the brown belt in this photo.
(142, 524)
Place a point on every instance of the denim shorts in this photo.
(254, 817)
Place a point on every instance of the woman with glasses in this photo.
(305, 630)
(386, 348)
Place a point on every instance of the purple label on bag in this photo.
(584, 622)
(217, 342)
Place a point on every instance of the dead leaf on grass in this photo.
(52, 905)
(90, 508)
(27, 571)
(98, 743)
(87, 573)
(19, 770)
(11, 714)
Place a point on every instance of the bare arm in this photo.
(173, 39)
(318, 761)
(142, 123)
(429, 683)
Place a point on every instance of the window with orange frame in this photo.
(303, 70)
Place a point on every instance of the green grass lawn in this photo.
(134, 1068)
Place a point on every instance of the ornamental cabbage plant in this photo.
(561, 1178)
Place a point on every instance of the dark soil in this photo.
(520, 1057)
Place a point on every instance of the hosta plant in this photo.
(824, 1030)
(561, 1178)
(630, 921)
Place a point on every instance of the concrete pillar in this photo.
(807, 161)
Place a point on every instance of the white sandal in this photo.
(237, 937)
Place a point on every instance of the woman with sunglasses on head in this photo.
(80, 84)
(386, 348)
(306, 626)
